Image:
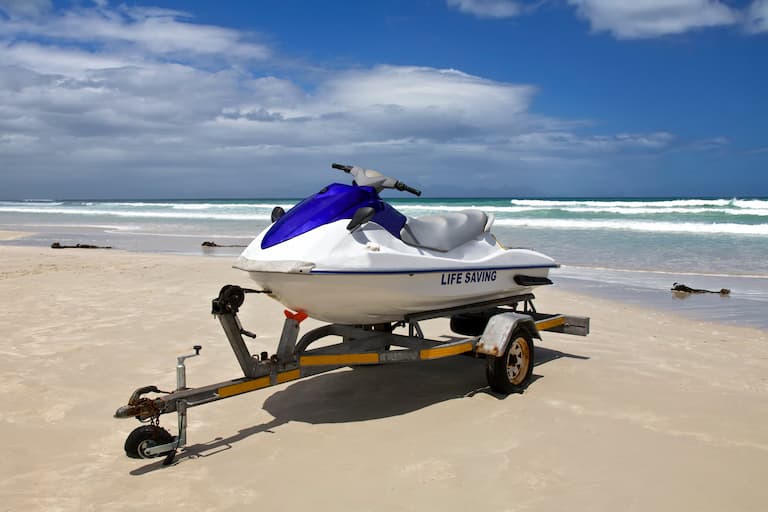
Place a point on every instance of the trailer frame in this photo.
(511, 320)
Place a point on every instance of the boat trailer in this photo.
(500, 330)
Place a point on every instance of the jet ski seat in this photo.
(447, 231)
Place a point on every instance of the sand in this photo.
(13, 235)
(651, 411)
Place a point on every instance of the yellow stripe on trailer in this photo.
(259, 383)
(438, 352)
(550, 323)
(288, 376)
(339, 359)
(243, 387)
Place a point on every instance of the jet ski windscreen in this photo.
(332, 203)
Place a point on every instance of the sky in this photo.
(502, 98)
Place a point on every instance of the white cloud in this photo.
(25, 8)
(757, 17)
(488, 8)
(121, 113)
(158, 31)
(637, 19)
(380, 105)
(652, 18)
(130, 120)
(426, 88)
(554, 142)
(49, 59)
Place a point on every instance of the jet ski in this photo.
(346, 256)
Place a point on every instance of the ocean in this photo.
(625, 249)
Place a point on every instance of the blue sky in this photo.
(459, 97)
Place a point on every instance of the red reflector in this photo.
(299, 316)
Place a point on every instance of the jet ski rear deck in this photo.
(500, 330)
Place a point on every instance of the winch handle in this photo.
(345, 168)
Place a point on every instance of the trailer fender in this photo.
(498, 332)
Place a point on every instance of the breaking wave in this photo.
(642, 226)
(748, 217)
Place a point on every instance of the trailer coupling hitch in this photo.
(140, 406)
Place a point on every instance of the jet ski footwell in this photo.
(502, 332)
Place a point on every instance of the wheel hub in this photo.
(516, 361)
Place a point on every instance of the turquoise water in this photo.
(618, 247)
(689, 235)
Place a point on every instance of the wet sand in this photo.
(650, 411)
(13, 235)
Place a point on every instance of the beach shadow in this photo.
(544, 355)
(365, 393)
(208, 449)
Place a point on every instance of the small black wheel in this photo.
(511, 373)
(143, 437)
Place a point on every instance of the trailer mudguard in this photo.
(498, 332)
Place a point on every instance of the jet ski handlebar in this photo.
(345, 168)
(402, 186)
(371, 178)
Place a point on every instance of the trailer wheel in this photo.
(511, 373)
(143, 437)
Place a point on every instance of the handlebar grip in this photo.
(345, 168)
(412, 190)
(402, 186)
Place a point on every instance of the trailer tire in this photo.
(511, 372)
(143, 437)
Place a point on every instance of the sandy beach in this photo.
(651, 411)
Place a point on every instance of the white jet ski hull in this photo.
(369, 277)
(375, 298)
